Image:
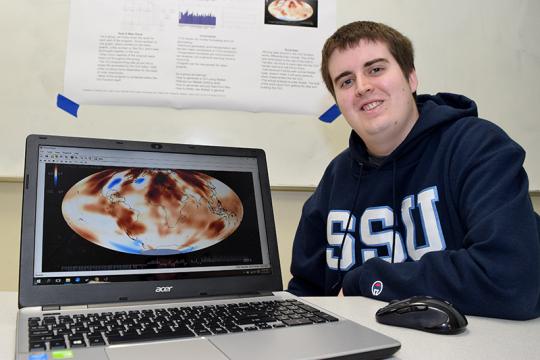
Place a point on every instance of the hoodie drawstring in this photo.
(337, 284)
(394, 208)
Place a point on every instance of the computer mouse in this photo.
(423, 313)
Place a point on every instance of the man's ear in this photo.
(413, 81)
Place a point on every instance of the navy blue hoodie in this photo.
(453, 198)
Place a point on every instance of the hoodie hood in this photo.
(436, 111)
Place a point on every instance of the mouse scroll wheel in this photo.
(420, 307)
(404, 310)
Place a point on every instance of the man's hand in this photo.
(341, 293)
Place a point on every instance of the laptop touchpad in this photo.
(189, 349)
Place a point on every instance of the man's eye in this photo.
(376, 70)
(346, 83)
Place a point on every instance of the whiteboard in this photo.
(486, 50)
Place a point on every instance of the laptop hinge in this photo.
(86, 307)
(56, 307)
(179, 300)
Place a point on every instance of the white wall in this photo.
(488, 50)
(10, 223)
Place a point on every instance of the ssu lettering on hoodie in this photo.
(453, 198)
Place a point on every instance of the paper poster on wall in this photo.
(252, 55)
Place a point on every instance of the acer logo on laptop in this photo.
(163, 289)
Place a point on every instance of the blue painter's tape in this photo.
(330, 114)
(67, 105)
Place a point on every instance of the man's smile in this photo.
(371, 105)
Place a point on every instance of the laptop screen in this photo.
(106, 215)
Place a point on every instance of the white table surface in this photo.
(484, 338)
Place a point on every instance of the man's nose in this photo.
(363, 85)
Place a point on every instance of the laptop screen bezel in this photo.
(83, 294)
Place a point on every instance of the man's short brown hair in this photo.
(348, 36)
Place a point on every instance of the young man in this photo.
(427, 200)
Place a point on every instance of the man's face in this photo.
(374, 95)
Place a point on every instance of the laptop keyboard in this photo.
(109, 328)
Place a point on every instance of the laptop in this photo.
(137, 250)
